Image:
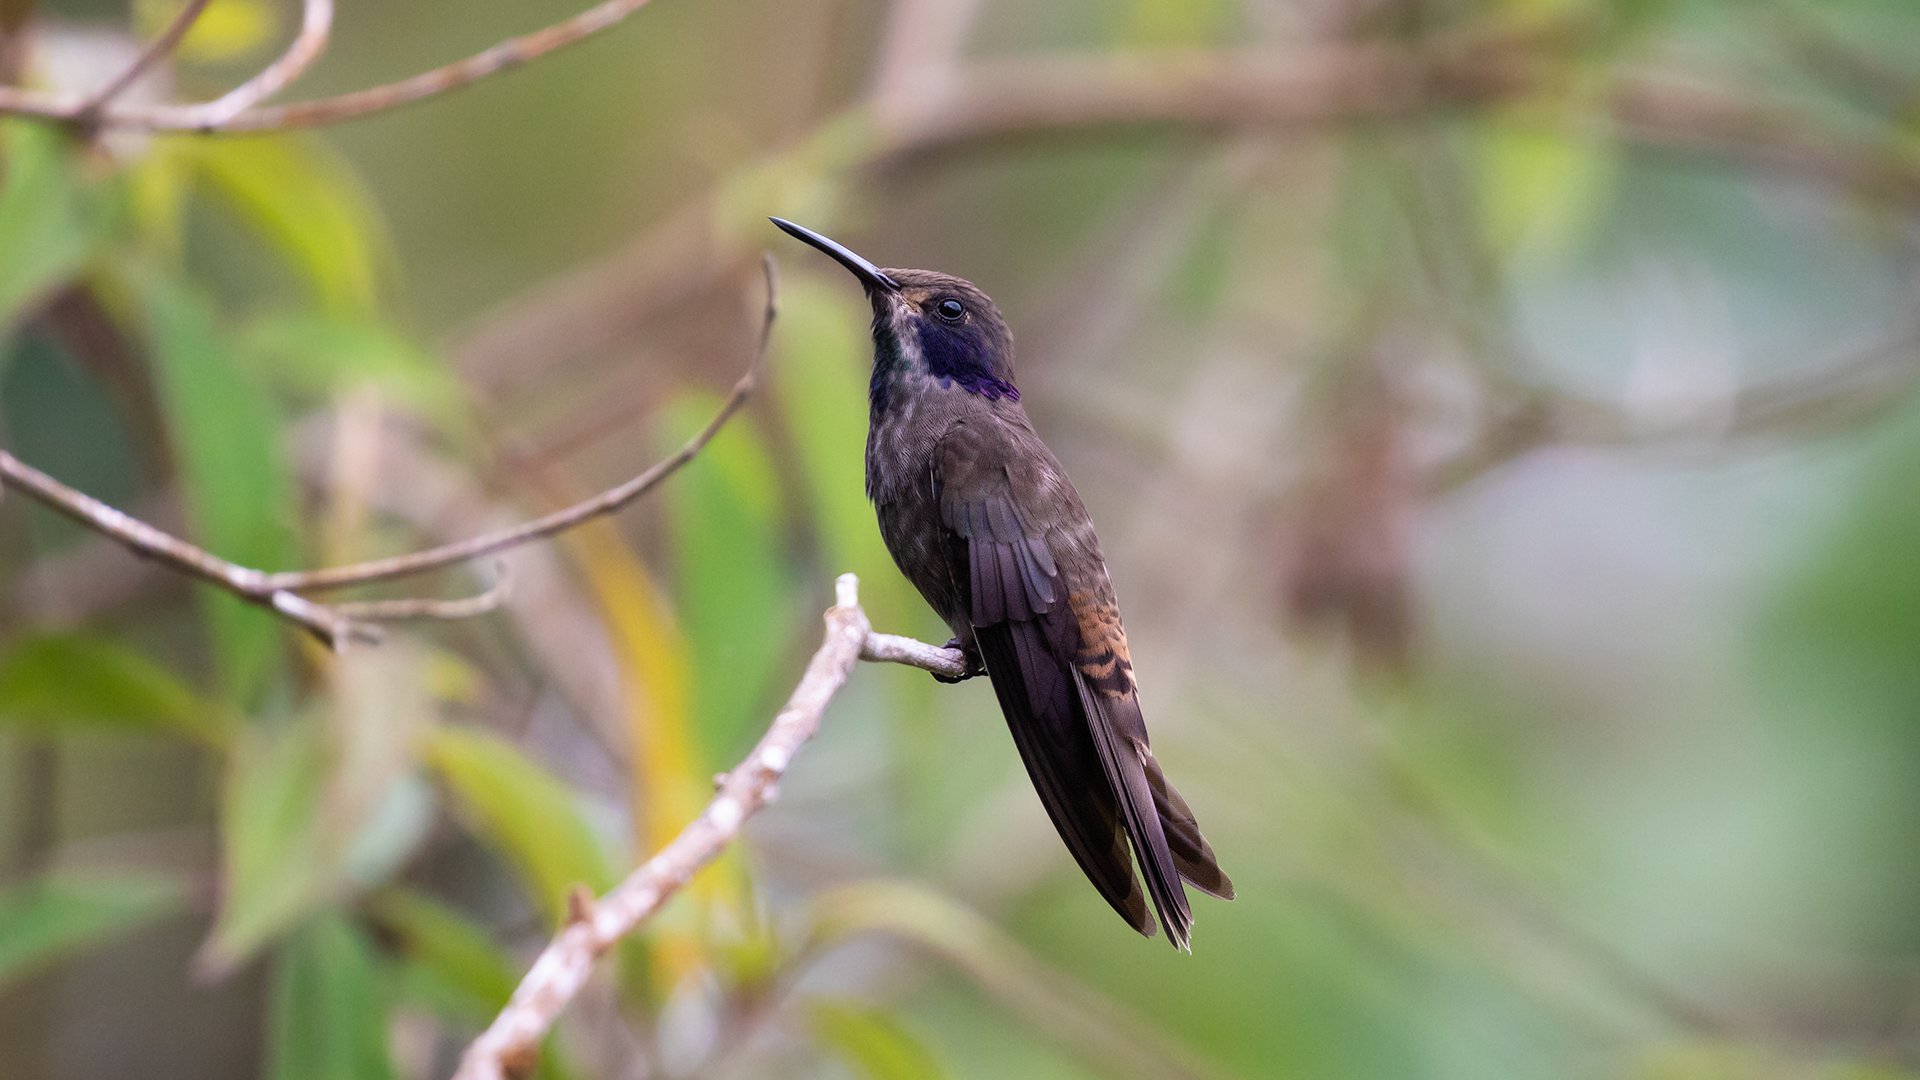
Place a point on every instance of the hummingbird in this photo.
(982, 519)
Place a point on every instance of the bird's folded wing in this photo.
(1015, 604)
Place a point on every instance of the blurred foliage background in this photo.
(1497, 414)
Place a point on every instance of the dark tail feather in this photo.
(1124, 760)
(1191, 853)
(1039, 700)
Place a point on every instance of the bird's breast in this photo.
(901, 481)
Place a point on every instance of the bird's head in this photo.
(929, 323)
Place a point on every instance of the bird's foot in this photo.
(975, 666)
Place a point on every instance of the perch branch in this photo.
(512, 1041)
(894, 649)
(336, 625)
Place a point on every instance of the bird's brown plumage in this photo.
(981, 518)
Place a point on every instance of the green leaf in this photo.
(56, 916)
(47, 227)
(1173, 23)
(1029, 989)
(326, 806)
(820, 379)
(226, 30)
(59, 681)
(319, 357)
(378, 808)
(226, 441)
(470, 975)
(307, 202)
(870, 1041)
(274, 867)
(1542, 182)
(524, 812)
(737, 601)
(329, 1017)
(452, 967)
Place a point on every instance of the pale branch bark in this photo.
(223, 115)
(157, 50)
(144, 539)
(336, 625)
(511, 1043)
(894, 649)
(986, 100)
(316, 25)
(429, 608)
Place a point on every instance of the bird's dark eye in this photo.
(950, 310)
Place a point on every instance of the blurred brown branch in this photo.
(157, 50)
(990, 99)
(336, 625)
(510, 1044)
(1822, 398)
(236, 112)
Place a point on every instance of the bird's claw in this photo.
(974, 664)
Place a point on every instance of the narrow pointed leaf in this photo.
(670, 784)
(820, 380)
(58, 682)
(46, 225)
(329, 1017)
(49, 918)
(524, 812)
(1043, 997)
(470, 974)
(870, 1041)
(233, 469)
(309, 205)
(737, 599)
(274, 866)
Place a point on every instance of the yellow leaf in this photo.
(670, 784)
(157, 188)
(226, 30)
(308, 205)
(1542, 180)
(525, 812)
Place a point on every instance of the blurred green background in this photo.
(1498, 416)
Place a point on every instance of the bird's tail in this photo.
(1166, 840)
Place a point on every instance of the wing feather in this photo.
(1065, 683)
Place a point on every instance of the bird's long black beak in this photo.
(869, 274)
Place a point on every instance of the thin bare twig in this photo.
(508, 54)
(511, 1042)
(146, 540)
(316, 24)
(426, 608)
(280, 592)
(606, 502)
(157, 50)
(234, 111)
